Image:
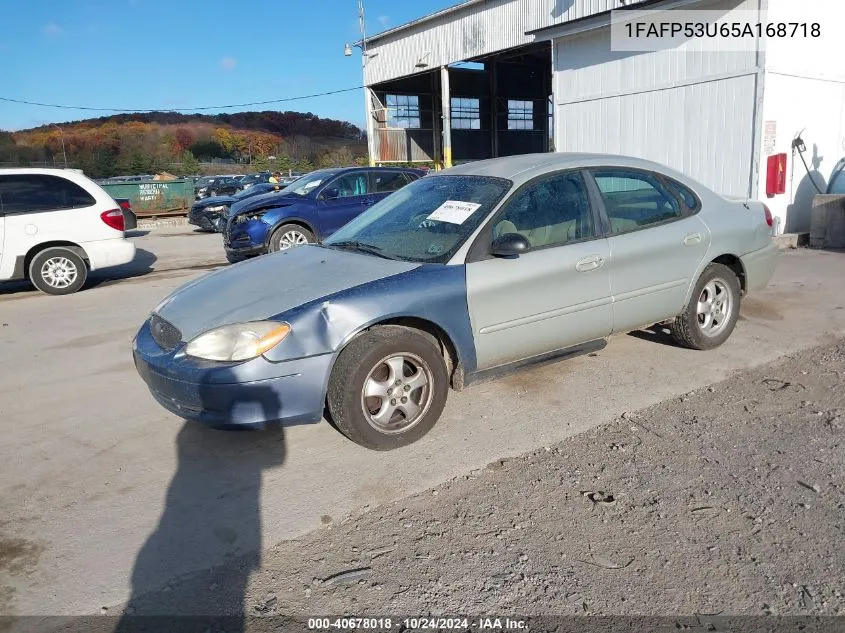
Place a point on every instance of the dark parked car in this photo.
(254, 179)
(217, 186)
(308, 210)
(210, 213)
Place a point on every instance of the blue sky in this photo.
(158, 54)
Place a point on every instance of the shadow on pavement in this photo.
(212, 513)
(655, 334)
(138, 267)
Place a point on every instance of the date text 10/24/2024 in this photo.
(417, 623)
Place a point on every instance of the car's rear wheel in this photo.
(712, 311)
(58, 271)
(288, 236)
(388, 387)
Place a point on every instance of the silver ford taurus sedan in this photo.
(462, 274)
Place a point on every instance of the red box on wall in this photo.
(776, 175)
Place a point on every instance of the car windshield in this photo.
(202, 182)
(305, 185)
(426, 221)
(246, 193)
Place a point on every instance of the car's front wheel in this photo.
(289, 235)
(388, 387)
(58, 271)
(712, 311)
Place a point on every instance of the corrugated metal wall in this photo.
(692, 110)
(479, 29)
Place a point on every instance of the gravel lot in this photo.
(730, 499)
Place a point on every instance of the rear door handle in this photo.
(589, 263)
(692, 238)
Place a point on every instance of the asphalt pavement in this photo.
(104, 495)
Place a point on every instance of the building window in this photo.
(520, 115)
(466, 114)
(403, 111)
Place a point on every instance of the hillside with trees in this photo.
(145, 143)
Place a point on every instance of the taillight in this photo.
(114, 218)
(769, 219)
(125, 205)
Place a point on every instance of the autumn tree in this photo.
(260, 163)
(189, 164)
(340, 157)
(184, 138)
(207, 148)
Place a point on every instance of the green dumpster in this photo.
(154, 197)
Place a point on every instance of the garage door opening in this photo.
(481, 108)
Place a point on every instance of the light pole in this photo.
(62, 133)
(368, 105)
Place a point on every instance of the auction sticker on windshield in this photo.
(454, 211)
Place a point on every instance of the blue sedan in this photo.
(309, 210)
(460, 275)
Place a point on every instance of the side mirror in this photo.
(510, 245)
(331, 194)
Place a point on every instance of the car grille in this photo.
(165, 334)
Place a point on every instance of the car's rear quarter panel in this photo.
(738, 230)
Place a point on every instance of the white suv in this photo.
(55, 226)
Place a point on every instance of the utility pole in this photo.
(62, 133)
(368, 104)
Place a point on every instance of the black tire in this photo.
(687, 328)
(361, 358)
(276, 239)
(72, 267)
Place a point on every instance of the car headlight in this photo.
(216, 207)
(241, 341)
(202, 190)
(250, 215)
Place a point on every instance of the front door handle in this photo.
(692, 238)
(369, 201)
(589, 263)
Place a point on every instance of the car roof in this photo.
(56, 171)
(527, 166)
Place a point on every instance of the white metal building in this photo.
(490, 78)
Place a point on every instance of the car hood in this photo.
(273, 198)
(214, 201)
(270, 285)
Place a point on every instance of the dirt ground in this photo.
(728, 500)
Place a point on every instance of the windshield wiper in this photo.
(354, 245)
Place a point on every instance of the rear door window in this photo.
(686, 195)
(33, 193)
(387, 182)
(634, 200)
(351, 185)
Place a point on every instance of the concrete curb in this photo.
(786, 241)
(153, 223)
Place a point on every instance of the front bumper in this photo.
(208, 220)
(245, 239)
(250, 394)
